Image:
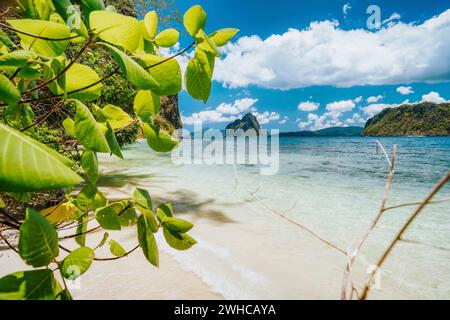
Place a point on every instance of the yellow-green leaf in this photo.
(147, 241)
(166, 72)
(116, 117)
(167, 38)
(158, 139)
(178, 241)
(77, 263)
(8, 91)
(151, 25)
(28, 166)
(44, 29)
(116, 249)
(146, 105)
(59, 213)
(194, 19)
(223, 36)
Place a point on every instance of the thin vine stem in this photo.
(36, 36)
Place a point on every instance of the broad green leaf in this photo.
(85, 199)
(45, 29)
(151, 25)
(38, 242)
(29, 73)
(89, 162)
(166, 72)
(21, 157)
(167, 38)
(150, 218)
(178, 241)
(223, 36)
(198, 76)
(134, 73)
(164, 210)
(77, 263)
(116, 249)
(206, 44)
(8, 91)
(19, 116)
(27, 8)
(108, 217)
(99, 201)
(194, 19)
(90, 6)
(81, 229)
(116, 117)
(128, 217)
(17, 58)
(142, 198)
(88, 131)
(158, 139)
(177, 225)
(147, 241)
(30, 285)
(59, 213)
(69, 126)
(146, 105)
(112, 142)
(116, 29)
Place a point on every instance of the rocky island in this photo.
(424, 119)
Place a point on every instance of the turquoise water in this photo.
(334, 186)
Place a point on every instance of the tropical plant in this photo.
(37, 69)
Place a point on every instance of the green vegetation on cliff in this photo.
(424, 119)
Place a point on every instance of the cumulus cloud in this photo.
(374, 109)
(433, 97)
(285, 120)
(308, 106)
(266, 117)
(237, 107)
(327, 120)
(356, 119)
(324, 54)
(405, 90)
(358, 100)
(374, 99)
(341, 106)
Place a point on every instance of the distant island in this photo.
(424, 119)
(328, 132)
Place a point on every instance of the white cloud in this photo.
(405, 90)
(327, 120)
(308, 106)
(266, 117)
(285, 119)
(358, 100)
(375, 99)
(341, 106)
(376, 108)
(208, 116)
(356, 119)
(237, 107)
(324, 54)
(433, 97)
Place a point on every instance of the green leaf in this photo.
(199, 75)
(80, 76)
(6, 40)
(206, 44)
(116, 29)
(116, 117)
(38, 242)
(133, 72)
(87, 130)
(151, 25)
(166, 72)
(30, 285)
(128, 217)
(112, 142)
(167, 38)
(104, 239)
(89, 162)
(158, 139)
(146, 105)
(8, 91)
(2, 204)
(116, 249)
(194, 19)
(147, 241)
(16, 58)
(23, 158)
(90, 6)
(223, 36)
(59, 213)
(178, 241)
(142, 198)
(77, 263)
(71, 15)
(19, 116)
(164, 210)
(177, 225)
(150, 218)
(69, 126)
(46, 29)
(81, 230)
(108, 217)
(86, 197)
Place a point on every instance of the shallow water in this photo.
(334, 186)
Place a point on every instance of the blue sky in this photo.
(295, 75)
